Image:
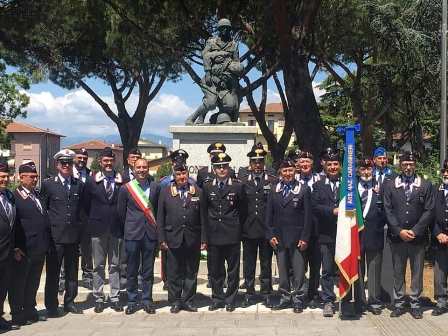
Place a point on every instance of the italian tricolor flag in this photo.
(349, 224)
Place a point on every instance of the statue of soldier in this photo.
(222, 71)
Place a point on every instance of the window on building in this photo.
(251, 122)
(27, 147)
(271, 124)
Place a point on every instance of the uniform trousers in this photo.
(140, 252)
(57, 253)
(217, 257)
(313, 259)
(86, 257)
(182, 273)
(26, 275)
(264, 249)
(106, 248)
(440, 277)
(401, 253)
(329, 272)
(373, 260)
(291, 258)
(5, 267)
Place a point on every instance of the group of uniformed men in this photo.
(124, 219)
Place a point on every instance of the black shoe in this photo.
(374, 310)
(230, 307)
(437, 311)
(19, 321)
(117, 306)
(99, 307)
(246, 302)
(71, 308)
(416, 313)
(297, 308)
(397, 312)
(216, 305)
(36, 318)
(175, 309)
(149, 309)
(131, 309)
(53, 313)
(282, 305)
(5, 325)
(189, 308)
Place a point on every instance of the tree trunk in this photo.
(130, 131)
(303, 108)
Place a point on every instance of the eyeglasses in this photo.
(66, 163)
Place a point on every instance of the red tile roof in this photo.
(270, 108)
(95, 145)
(16, 127)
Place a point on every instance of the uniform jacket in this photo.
(135, 222)
(222, 212)
(32, 225)
(324, 203)
(256, 197)
(63, 209)
(179, 220)
(289, 218)
(372, 237)
(440, 223)
(101, 212)
(7, 229)
(415, 214)
(389, 175)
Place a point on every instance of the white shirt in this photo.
(62, 179)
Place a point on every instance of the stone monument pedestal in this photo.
(237, 137)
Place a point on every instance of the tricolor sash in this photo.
(142, 201)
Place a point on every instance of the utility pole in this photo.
(443, 125)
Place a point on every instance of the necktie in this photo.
(221, 185)
(183, 193)
(286, 189)
(257, 180)
(365, 195)
(109, 189)
(34, 199)
(335, 189)
(66, 186)
(446, 195)
(6, 205)
(407, 190)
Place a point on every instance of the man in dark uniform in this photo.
(105, 229)
(32, 242)
(7, 231)
(178, 156)
(61, 197)
(304, 164)
(325, 207)
(381, 171)
(81, 172)
(179, 222)
(440, 237)
(408, 203)
(137, 208)
(289, 225)
(221, 208)
(256, 186)
(372, 237)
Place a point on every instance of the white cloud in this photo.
(77, 114)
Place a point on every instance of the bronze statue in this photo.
(223, 69)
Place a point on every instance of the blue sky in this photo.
(74, 113)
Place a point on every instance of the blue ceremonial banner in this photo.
(349, 165)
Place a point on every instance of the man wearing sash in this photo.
(179, 222)
(289, 225)
(408, 203)
(136, 208)
(105, 229)
(221, 208)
